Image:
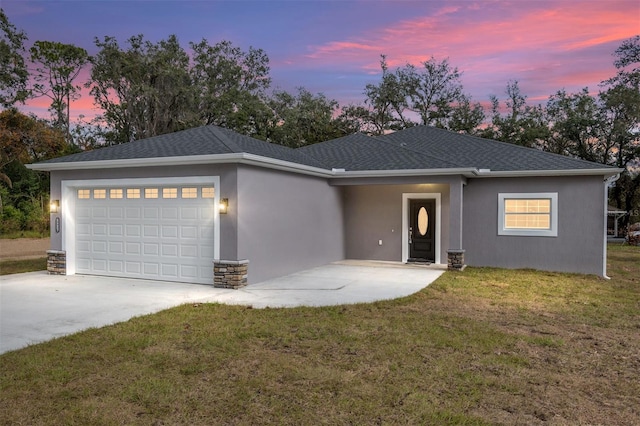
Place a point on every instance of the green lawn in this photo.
(485, 346)
(24, 265)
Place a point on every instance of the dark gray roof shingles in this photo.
(419, 147)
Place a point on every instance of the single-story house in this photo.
(168, 207)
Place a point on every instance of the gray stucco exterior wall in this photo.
(578, 247)
(373, 212)
(286, 222)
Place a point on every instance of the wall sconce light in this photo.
(54, 206)
(224, 205)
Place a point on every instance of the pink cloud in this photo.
(518, 40)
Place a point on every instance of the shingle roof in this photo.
(361, 152)
(419, 147)
(471, 151)
(204, 140)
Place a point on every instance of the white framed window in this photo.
(133, 192)
(84, 194)
(99, 194)
(528, 214)
(115, 193)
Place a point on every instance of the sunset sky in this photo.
(334, 47)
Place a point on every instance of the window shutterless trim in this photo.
(528, 232)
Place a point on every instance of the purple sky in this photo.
(334, 47)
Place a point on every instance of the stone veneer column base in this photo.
(455, 260)
(56, 262)
(230, 273)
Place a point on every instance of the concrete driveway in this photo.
(36, 307)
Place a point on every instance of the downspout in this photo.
(608, 183)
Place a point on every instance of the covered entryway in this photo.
(143, 229)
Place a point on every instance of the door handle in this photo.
(410, 235)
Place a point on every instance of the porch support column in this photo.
(455, 253)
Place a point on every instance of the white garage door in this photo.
(151, 232)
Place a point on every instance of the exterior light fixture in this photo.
(223, 205)
(54, 206)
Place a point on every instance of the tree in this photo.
(621, 108)
(24, 139)
(13, 71)
(387, 101)
(523, 124)
(434, 90)
(304, 119)
(231, 86)
(577, 127)
(57, 66)
(145, 90)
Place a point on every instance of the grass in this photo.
(24, 265)
(24, 234)
(485, 346)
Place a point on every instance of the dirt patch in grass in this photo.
(485, 346)
(23, 248)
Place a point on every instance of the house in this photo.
(166, 207)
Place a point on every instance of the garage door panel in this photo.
(99, 229)
(151, 213)
(116, 213)
(152, 238)
(132, 230)
(99, 213)
(116, 266)
(134, 268)
(133, 249)
(170, 213)
(169, 231)
(189, 232)
(169, 250)
(116, 247)
(188, 250)
(98, 247)
(116, 230)
(151, 249)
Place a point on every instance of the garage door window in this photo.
(151, 193)
(84, 194)
(169, 192)
(189, 192)
(133, 193)
(99, 194)
(207, 192)
(115, 193)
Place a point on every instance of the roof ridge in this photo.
(226, 141)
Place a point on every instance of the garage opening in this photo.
(150, 231)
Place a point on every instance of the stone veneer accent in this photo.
(56, 262)
(455, 260)
(230, 273)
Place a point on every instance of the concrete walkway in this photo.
(36, 307)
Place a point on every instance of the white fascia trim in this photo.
(468, 172)
(569, 172)
(189, 160)
(272, 163)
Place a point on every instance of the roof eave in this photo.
(189, 160)
(605, 171)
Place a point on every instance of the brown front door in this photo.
(422, 236)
